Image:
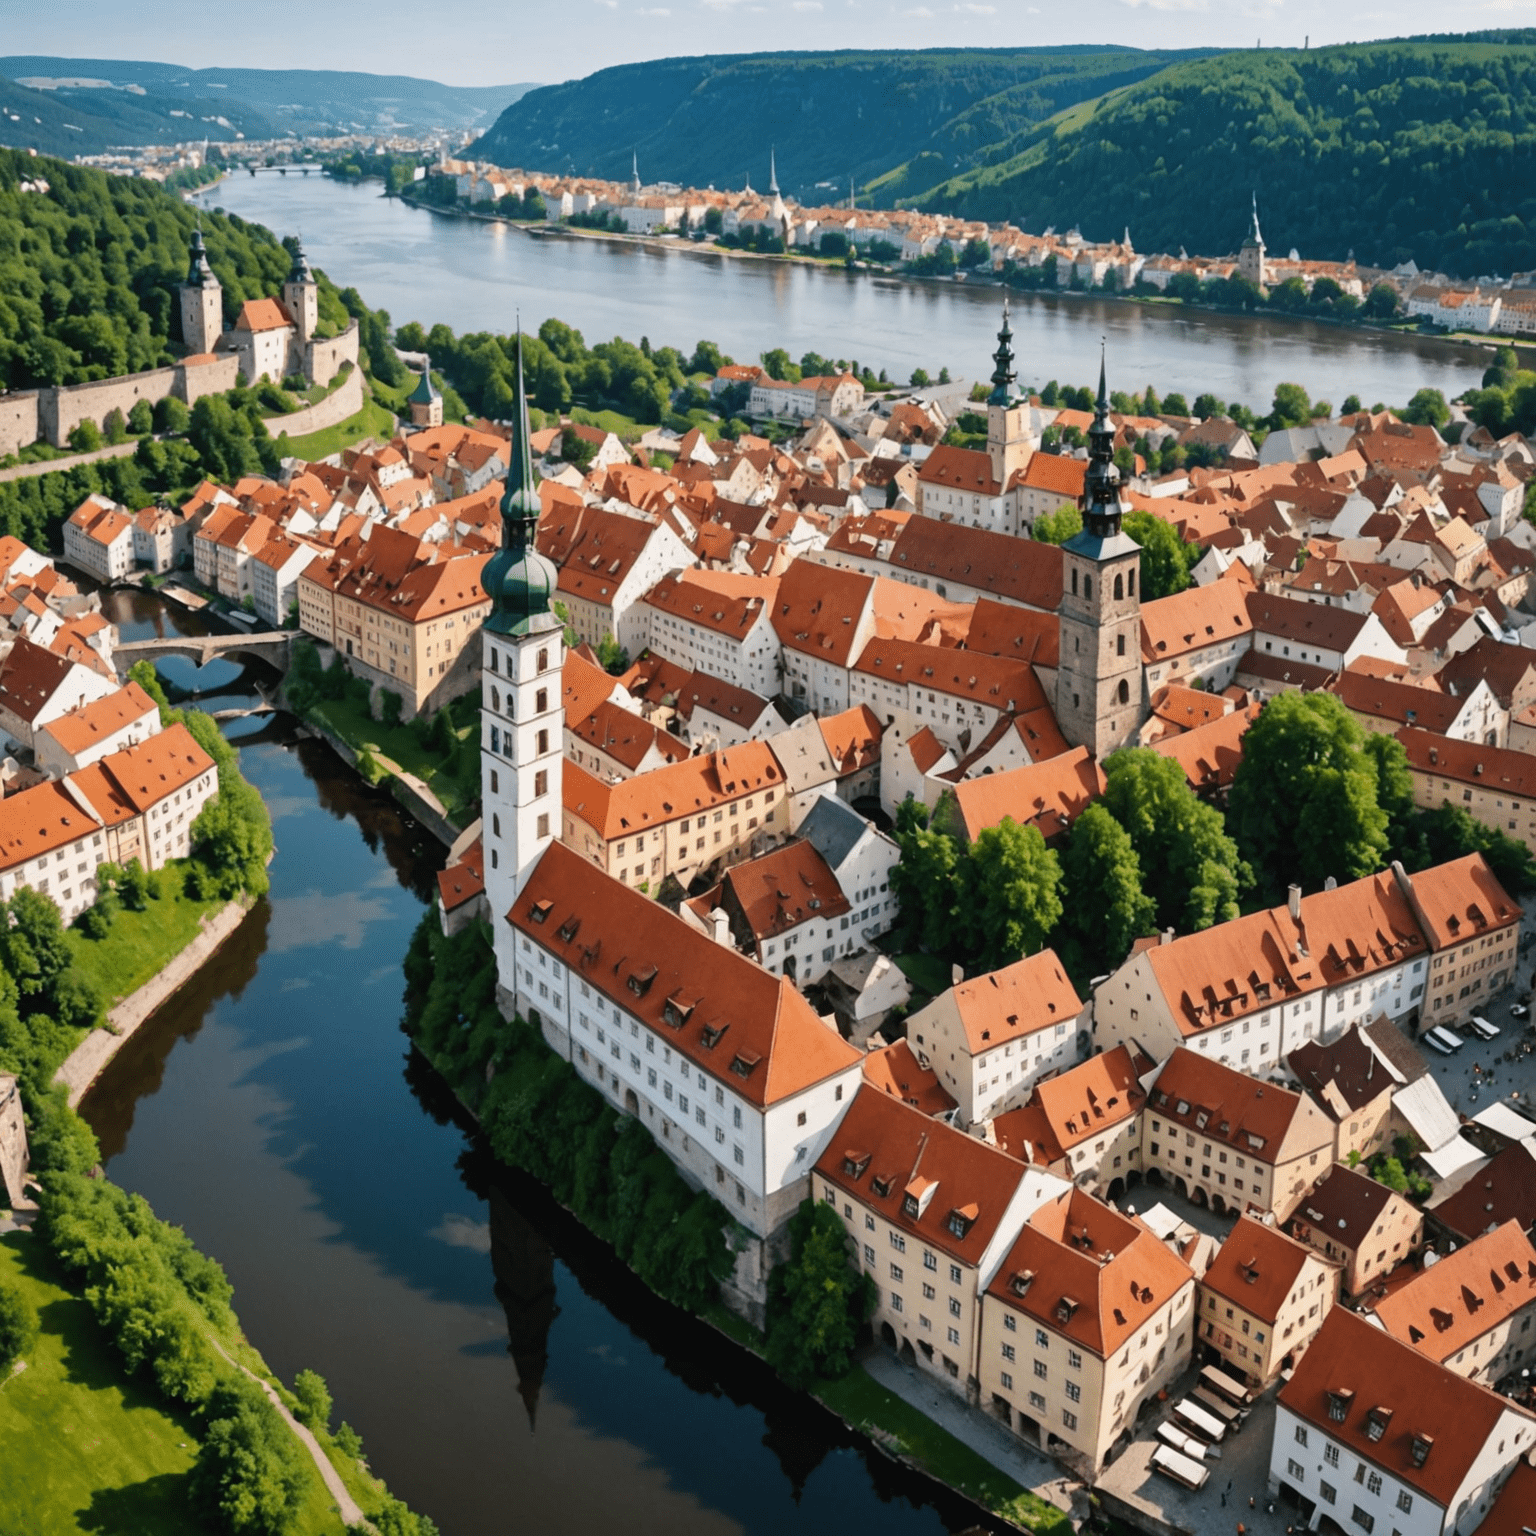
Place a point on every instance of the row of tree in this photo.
(1315, 797)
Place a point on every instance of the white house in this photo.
(718, 623)
(98, 538)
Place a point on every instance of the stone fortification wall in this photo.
(18, 421)
(345, 401)
(211, 375)
(65, 406)
(326, 357)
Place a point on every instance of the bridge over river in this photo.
(269, 646)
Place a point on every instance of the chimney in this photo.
(1293, 901)
(1330, 884)
(956, 975)
(1166, 936)
(720, 927)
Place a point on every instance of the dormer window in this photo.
(1183, 1106)
(1376, 1422)
(854, 1164)
(743, 1063)
(1338, 1404)
(569, 929)
(1020, 1281)
(1201, 1119)
(1066, 1307)
(713, 1035)
(540, 910)
(1420, 1449)
(640, 981)
(881, 1184)
(676, 1010)
(917, 1196)
(962, 1219)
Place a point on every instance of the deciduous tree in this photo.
(1105, 907)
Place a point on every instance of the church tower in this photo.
(1098, 681)
(1009, 443)
(301, 297)
(1250, 259)
(426, 400)
(202, 302)
(522, 720)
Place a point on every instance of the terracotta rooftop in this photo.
(463, 881)
(1224, 1105)
(82, 728)
(1193, 619)
(1020, 634)
(29, 677)
(1345, 1205)
(1021, 571)
(1502, 1189)
(1257, 1267)
(1032, 993)
(1462, 899)
(1050, 795)
(1498, 769)
(1210, 754)
(767, 896)
(1092, 1097)
(893, 1069)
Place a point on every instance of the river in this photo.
(481, 275)
(504, 1372)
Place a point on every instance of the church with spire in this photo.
(1250, 259)
(1099, 676)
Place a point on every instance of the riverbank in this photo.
(90, 1058)
(511, 1088)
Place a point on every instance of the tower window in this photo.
(543, 741)
(496, 700)
(543, 661)
(495, 738)
(1074, 583)
(1124, 691)
(1131, 579)
(495, 664)
(495, 826)
(1088, 586)
(541, 701)
(541, 778)
(494, 785)
(543, 826)
(1119, 588)
(494, 860)
(1120, 645)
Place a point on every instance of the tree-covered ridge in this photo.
(710, 120)
(89, 271)
(1395, 150)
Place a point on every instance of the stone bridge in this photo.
(269, 646)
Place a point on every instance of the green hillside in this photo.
(1422, 148)
(89, 268)
(829, 116)
(119, 101)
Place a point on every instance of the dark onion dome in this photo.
(300, 271)
(1002, 374)
(199, 273)
(426, 392)
(1101, 483)
(519, 581)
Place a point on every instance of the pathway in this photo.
(1028, 1467)
(69, 461)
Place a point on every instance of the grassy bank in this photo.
(372, 421)
(139, 945)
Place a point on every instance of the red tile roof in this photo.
(1050, 795)
(1257, 1267)
(893, 1069)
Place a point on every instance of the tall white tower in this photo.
(522, 721)
(1009, 441)
(301, 297)
(202, 301)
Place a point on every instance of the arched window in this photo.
(543, 661)
(1131, 580)
(495, 738)
(496, 698)
(495, 665)
(1124, 691)
(1088, 587)
(1074, 581)
(1119, 645)
(1119, 589)
(541, 701)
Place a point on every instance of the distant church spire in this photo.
(1255, 236)
(198, 271)
(853, 201)
(1102, 480)
(773, 174)
(634, 173)
(1003, 374)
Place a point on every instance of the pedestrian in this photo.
(1252, 1504)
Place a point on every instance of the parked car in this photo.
(1480, 1026)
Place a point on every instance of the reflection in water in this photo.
(524, 1265)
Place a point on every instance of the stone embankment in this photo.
(89, 1059)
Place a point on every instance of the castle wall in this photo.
(325, 358)
(219, 373)
(19, 421)
(64, 407)
(346, 401)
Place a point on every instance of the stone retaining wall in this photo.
(18, 421)
(327, 355)
(347, 400)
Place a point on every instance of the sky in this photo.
(520, 40)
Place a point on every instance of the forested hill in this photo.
(1423, 149)
(89, 268)
(711, 120)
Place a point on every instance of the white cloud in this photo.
(918, 10)
(659, 10)
(806, 5)
(1168, 5)
(977, 10)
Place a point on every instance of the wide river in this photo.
(478, 275)
(505, 1373)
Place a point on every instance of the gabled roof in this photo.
(82, 728)
(1055, 473)
(818, 608)
(29, 677)
(1193, 619)
(781, 890)
(834, 828)
(960, 469)
(1333, 629)
(1257, 1267)
(1463, 1294)
(1020, 634)
(1511, 1512)
(1470, 762)
(1032, 993)
(1050, 795)
(1088, 1273)
(894, 1070)
(1461, 899)
(1092, 1097)
(1346, 1074)
(1345, 1205)
(1384, 699)
(262, 315)
(728, 608)
(39, 820)
(1393, 1399)
(156, 768)
(626, 737)
(1225, 1105)
(716, 696)
(464, 881)
(734, 1021)
(1502, 1189)
(1023, 571)
(885, 1150)
(1210, 754)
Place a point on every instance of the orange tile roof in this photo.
(1224, 1105)
(739, 1024)
(1088, 1272)
(1050, 795)
(1511, 1512)
(158, 767)
(1031, 994)
(852, 738)
(463, 881)
(262, 315)
(963, 469)
(665, 794)
(29, 677)
(1057, 473)
(1021, 570)
(1092, 1097)
(725, 608)
(1462, 899)
(1000, 629)
(1469, 762)
(715, 696)
(1257, 1267)
(1008, 686)
(781, 890)
(884, 1148)
(1193, 619)
(1026, 1134)
(39, 820)
(893, 1069)
(1209, 754)
(817, 610)
(1367, 1372)
(621, 734)
(583, 686)
(1464, 1294)
(84, 727)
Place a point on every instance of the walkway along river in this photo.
(504, 1372)
(476, 275)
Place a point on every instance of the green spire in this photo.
(1002, 374)
(1102, 478)
(519, 581)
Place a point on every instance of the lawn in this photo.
(372, 421)
(139, 944)
(457, 787)
(869, 1407)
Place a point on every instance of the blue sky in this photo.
(521, 40)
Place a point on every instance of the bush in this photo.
(390, 706)
(18, 1327)
(818, 1301)
(114, 426)
(314, 1409)
(85, 437)
(248, 1477)
(171, 415)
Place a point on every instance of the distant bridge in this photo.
(270, 646)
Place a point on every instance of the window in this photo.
(541, 782)
(1296, 1470)
(954, 1306)
(1301, 1434)
(896, 1273)
(1330, 1454)
(895, 1302)
(954, 1274)
(1036, 1400)
(1328, 1492)
(1009, 1353)
(1074, 1392)
(898, 1242)
(1363, 1518)
(1040, 1370)
(1068, 1419)
(1006, 1380)
(1405, 1501)
(1373, 1483)
(930, 1260)
(1042, 1339)
(1074, 1360)
(1010, 1322)
(954, 1338)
